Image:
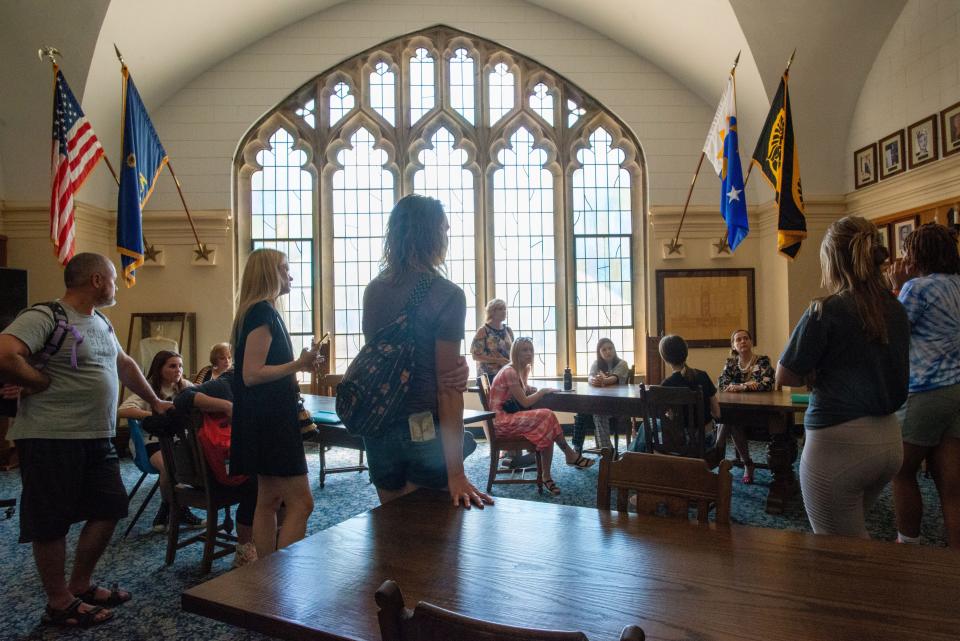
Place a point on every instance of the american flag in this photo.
(75, 152)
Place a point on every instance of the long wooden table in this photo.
(772, 410)
(571, 568)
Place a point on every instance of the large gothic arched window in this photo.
(541, 185)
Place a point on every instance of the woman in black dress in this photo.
(266, 432)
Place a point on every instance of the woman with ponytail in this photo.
(851, 347)
(673, 350)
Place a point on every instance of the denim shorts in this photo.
(396, 459)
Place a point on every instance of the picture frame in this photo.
(865, 166)
(950, 130)
(902, 229)
(885, 236)
(923, 143)
(705, 306)
(891, 151)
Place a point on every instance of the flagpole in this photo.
(676, 238)
(50, 53)
(785, 72)
(202, 251)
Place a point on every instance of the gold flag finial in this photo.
(48, 52)
(736, 61)
(790, 61)
(119, 55)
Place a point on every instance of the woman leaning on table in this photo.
(266, 437)
(852, 348)
(928, 279)
(745, 371)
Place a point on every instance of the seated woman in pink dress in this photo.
(540, 426)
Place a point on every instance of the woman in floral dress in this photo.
(745, 372)
(539, 426)
(492, 342)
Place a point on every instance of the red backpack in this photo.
(214, 439)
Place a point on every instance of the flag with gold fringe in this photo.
(776, 157)
(143, 159)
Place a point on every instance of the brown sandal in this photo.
(72, 617)
(551, 486)
(115, 598)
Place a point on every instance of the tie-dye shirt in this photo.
(933, 306)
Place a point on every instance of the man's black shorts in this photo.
(66, 481)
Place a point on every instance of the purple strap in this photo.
(77, 339)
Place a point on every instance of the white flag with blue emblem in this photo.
(723, 151)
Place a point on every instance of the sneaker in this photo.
(190, 520)
(160, 520)
(245, 553)
(524, 461)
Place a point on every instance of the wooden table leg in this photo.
(781, 455)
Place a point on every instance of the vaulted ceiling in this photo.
(171, 43)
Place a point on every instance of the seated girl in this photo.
(673, 350)
(221, 359)
(745, 372)
(539, 426)
(166, 378)
(608, 369)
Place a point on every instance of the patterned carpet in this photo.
(137, 563)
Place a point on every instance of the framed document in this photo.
(705, 306)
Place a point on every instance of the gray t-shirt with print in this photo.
(80, 403)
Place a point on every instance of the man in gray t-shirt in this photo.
(67, 415)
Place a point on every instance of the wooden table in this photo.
(573, 568)
(772, 410)
(336, 435)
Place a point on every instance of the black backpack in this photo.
(374, 388)
(55, 340)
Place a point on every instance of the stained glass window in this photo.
(462, 90)
(363, 195)
(422, 87)
(602, 239)
(382, 92)
(524, 256)
(501, 92)
(282, 218)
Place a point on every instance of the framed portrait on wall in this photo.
(885, 236)
(902, 229)
(922, 138)
(865, 166)
(705, 306)
(950, 129)
(892, 161)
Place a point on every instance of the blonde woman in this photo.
(492, 342)
(852, 347)
(266, 439)
(221, 359)
(539, 426)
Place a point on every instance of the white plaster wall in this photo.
(202, 124)
(915, 74)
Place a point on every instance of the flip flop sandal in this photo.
(72, 617)
(582, 462)
(112, 601)
(551, 486)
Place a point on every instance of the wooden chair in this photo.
(673, 423)
(428, 622)
(190, 483)
(672, 483)
(501, 444)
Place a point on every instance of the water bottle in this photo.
(567, 380)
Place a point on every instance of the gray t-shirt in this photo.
(855, 377)
(440, 317)
(80, 403)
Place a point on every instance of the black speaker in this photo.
(13, 294)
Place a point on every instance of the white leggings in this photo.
(844, 468)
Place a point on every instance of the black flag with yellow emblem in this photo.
(776, 156)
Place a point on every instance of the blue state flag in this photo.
(143, 159)
(723, 151)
